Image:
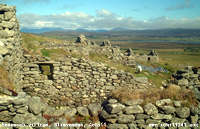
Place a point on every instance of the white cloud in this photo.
(104, 12)
(103, 20)
(41, 24)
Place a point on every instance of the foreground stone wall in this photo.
(74, 82)
(10, 43)
(164, 114)
(26, 112)
(189, 78)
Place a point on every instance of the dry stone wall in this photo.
(161, 115)
(26, 112)
(10, 43)
(72, 81)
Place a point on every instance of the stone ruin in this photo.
(129, 52)
(106, 43)
(80, 87)
(10, 43)
(151, 57)
(153, 53)
(81, 39)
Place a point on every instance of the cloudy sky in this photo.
(107, 14)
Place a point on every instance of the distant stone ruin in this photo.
(81, 39)
(129, 52)
(153, 53)
(106, 43)
(151, 57)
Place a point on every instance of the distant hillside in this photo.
(118, 31)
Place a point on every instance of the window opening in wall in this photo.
(2, 12)
(149, 58)
(47, 69)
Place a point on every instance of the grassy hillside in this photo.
(172, 56)
(32, 43)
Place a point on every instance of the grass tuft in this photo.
(152, 95)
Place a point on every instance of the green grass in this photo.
(104, 59)
(46, 70)
(31, 43)
(53, 53)
(45, 52)
(179, 59)
(155, 78)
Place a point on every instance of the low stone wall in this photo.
(74, 82)
(164, 114)
(25, 112)
(189, 77)
(10, 43)
(21, 110)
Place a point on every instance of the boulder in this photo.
(20, 101)
(27, 118)
(35, 105)
(194, 119)
(182, 82)
(124, 119)
(22, 110)
(2, 108)
(133, 102)
(177, 103)
(114, 108)
(150, 109)
(112, 101)
(6, 116)
(132, 126)
(183, 112)
(142, 116)
(152, 121)
(94, 109)
(106, 115)
(70, 112)
(83, 111)
(3, 50)
(135, 109)
(168, 109)
(163, 102)
(161, 117)
(177, 120)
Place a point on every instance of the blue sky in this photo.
(108, 14)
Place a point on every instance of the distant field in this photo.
(178, 58)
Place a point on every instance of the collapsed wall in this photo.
(10, 44)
